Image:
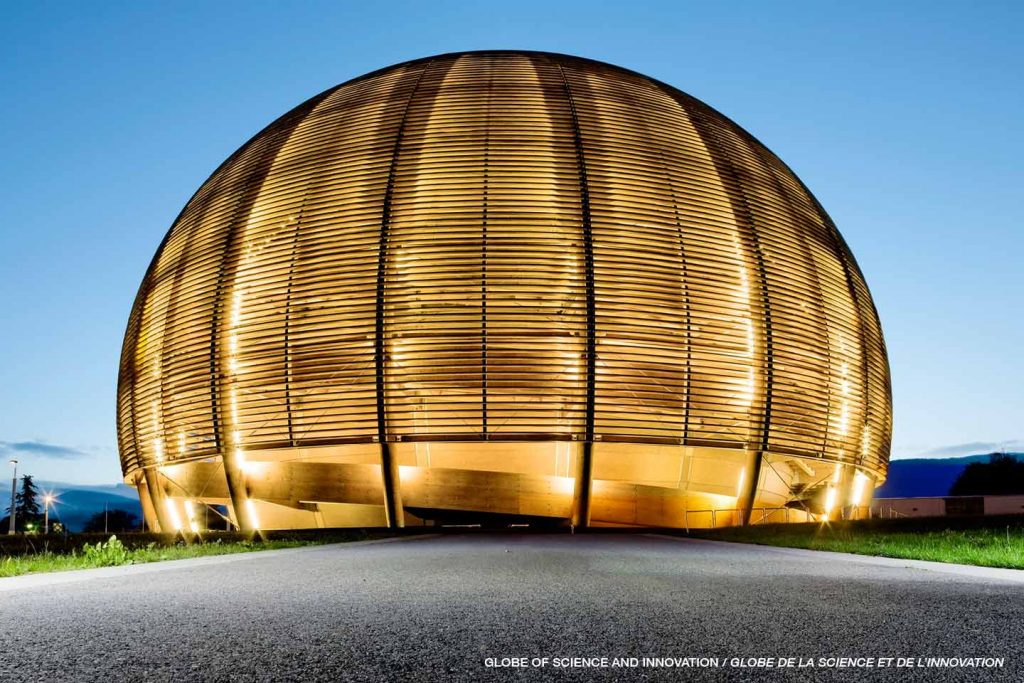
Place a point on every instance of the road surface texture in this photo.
(439, 608)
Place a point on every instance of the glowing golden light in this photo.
(172, 514)
(190, 514)
(253, 517)
(860, 481)
(563, 485)
(251, 467)
(830, 501)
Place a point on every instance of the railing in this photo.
(881, 513)
(731, 516)
(773, 515)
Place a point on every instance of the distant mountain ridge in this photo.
(75, 504)
(122, 490)
(928, 477)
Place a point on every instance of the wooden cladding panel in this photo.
(484, 220)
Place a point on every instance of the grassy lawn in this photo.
(137, 549)
(986, 542)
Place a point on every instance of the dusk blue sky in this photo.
(905, 119)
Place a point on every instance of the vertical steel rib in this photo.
(846, 261)
(255, 175)
(483, 262)
(812, 268)
(293, 261)
(391, 504)
(233, 475)
(684, 285)
(741, 206)
(586, 468)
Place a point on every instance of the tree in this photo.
(1001, 475)
(116, 520)
(26, 505)
(26, 502)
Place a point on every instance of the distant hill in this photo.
(927, 477)
(76, 504)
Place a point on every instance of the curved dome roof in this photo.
(504, 246)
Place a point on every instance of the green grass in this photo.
(987, 545)
(54, 562)
(113, 553)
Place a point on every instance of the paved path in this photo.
(438, 608)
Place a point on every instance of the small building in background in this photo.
(947, 506)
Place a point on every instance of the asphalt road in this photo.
(437, 608)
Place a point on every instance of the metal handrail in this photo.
(760, 515)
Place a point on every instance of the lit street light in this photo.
(14, 487)
(47, 501)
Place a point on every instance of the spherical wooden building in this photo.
(503, 286)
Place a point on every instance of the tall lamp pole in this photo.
(47, 499)
(14, 488)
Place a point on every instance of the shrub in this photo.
(109, 554)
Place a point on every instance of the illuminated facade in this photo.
(503, 283)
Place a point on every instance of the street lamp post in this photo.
(47, 499)
(14, 488)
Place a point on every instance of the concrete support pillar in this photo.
(393, 509)
(158, 498)
(584, 485)
(148, 509)
(748, 486)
